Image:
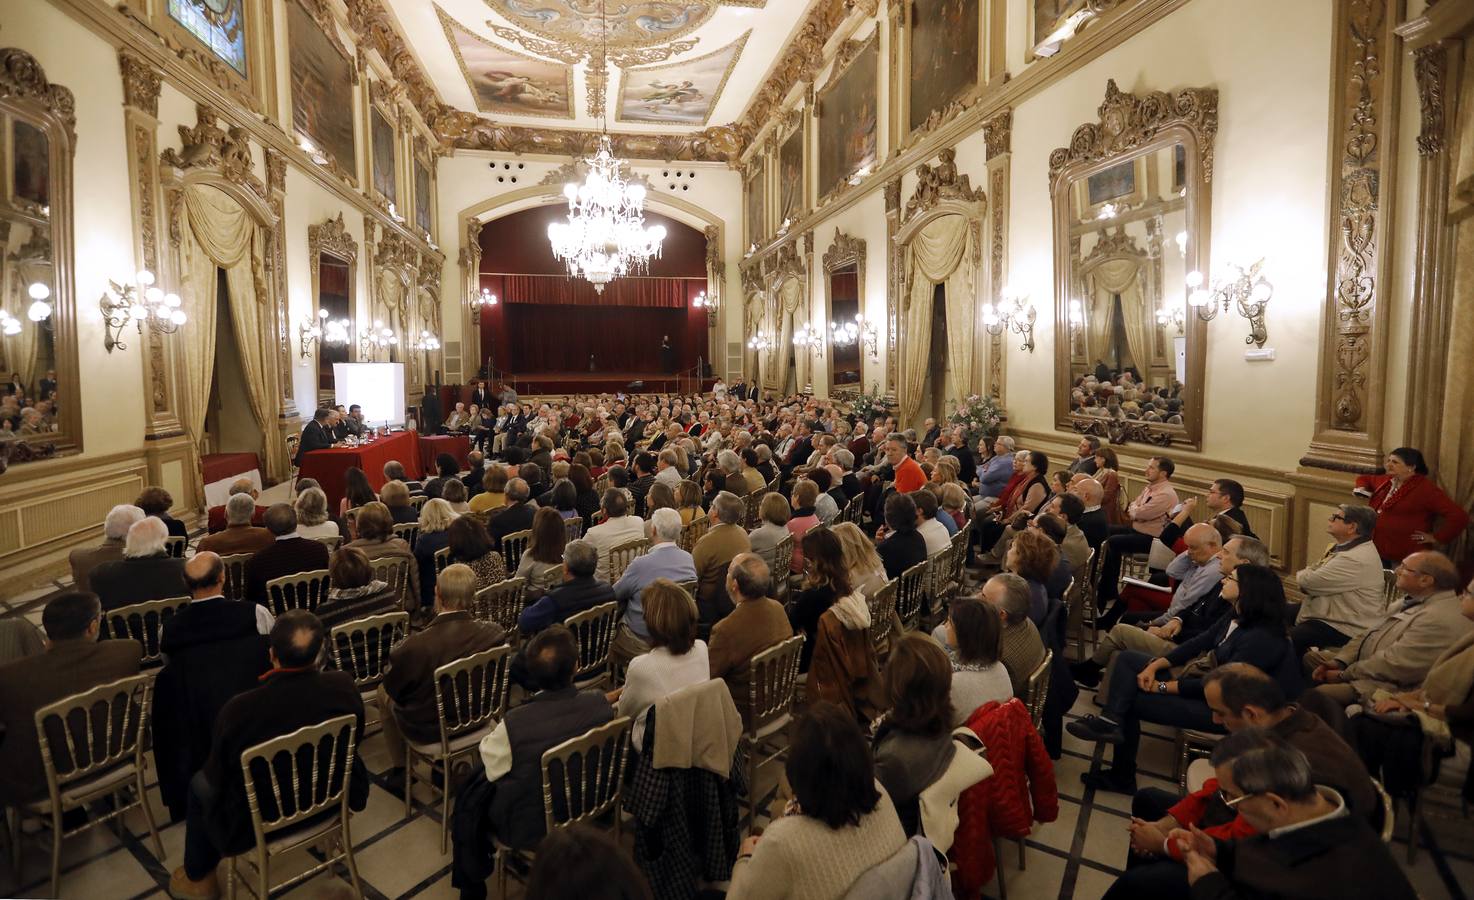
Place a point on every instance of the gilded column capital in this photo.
(141, 83)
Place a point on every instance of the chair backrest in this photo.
(1037, 690)
(854, 510)
(582, 775)
(331, 541)
(601, 484)
(361, 647)
(939, 573)
(501, 603)
(774, 676)
(693, 533)
(594, 630)
(89, 733)
(1092, 583)
(620, 557)
(471, 692)
(783, 557)
(144, 622)
(442, 559)
(175, 545)
(512, 546)
(882, 607)
(297, 776)
(959, 552)
(409, 532)
(911, 592)
(1389, 588)
(393, 571)
(417, 500)
(752, 502)
(1389, 811)
(304, 590)
(574, 527)
(690, 587)
(235, 575)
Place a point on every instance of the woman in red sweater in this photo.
(1413, 513)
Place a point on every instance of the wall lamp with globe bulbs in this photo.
(139, 302)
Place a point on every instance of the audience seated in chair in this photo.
(312, 513)
(434, 521)
(354, 592)
(240, 534)
(839, 824)
(215, 517)
(583, 862)
(293, 694)
(156, 502)
(756, 623)
(517, 515)
(1168, 690)
(913, 740)
(394, 471)
(1345, 590)
(406, 697)
(1395, 656)
(1021, 647)
(900, 545)
(287, 555)
(1146, 516)
(665, 559)
(975, 630)
(377, 541)
(676, 657)
(714, 551)
(540, 563)
(578, 591)
(214, 649)
(115, 534)
(470, 544)
(74, 661)
(146, 571)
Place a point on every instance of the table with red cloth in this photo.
(330, 466)
(432, 445)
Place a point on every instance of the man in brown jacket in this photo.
(407, 694)
(755, 624)
(716, 549)
(240, 535)
(74, 662)
(115, 532)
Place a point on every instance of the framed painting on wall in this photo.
(220, 25)
(321, 75)
(755, 205)
(946, 43)
(385, 177)
(848, 115)
(422, 197)
(507, 82)
(1047, 16)
(791, 193)
(680, 93)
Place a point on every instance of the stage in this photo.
(606, 383)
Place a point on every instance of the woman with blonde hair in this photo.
(542, 561)
(312, 515)
(865, 568)
(436, 517)
(688, 502)
(494, 490)
(395, 495)
(355, 592)
(954, 501)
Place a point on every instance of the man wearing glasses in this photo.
(1395, 655)
(1345, 590)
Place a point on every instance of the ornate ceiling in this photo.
(673, 66)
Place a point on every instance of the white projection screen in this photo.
(377, 387)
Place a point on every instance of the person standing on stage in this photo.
(667, 355)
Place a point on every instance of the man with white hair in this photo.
(665, 559)
(146, 571)
(114, 531)
(731, 466)
(239, 536)
(714, 552)
(995, 473)
(215, 519)
(667, 468)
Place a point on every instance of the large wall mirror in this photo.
(844, 269)
(1131, 214)
(38, 350)
(334, 257)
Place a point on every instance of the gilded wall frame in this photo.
(331, 238)
(845, 251)
(256, 89)
(795, 131)
(1134, 125)
(910, 133)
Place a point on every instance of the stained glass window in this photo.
(219, 24)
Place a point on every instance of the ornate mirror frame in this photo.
(844, 251)
(782, 266)
(1130, 126)
(331, 238)
(26, 94)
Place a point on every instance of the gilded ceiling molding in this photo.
(469, 131)
(629, 23)
(1350, 404)
(1128, 121)
(141, 83)
(801, 61)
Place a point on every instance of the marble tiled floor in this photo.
(1076, 856)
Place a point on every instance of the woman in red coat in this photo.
(1410, 506)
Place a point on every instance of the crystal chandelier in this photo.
(605, 236)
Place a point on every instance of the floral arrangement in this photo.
(867, 406)
(979, 416)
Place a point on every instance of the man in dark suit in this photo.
(579, 591)
(146, 571)
(480, 395)
(239, 535)
(407, 694)
(216, 648)
(518, 514)
(74, 661)
(315, 436)
(542, 456)
(1093, 522)
(287, 555)
(115, 532)
(476, 460)
(394, 471)
(293, 694)
(931, 432)
(644, 479)
(634, 431)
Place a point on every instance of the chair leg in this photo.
(347, 839)
(445, 809)
(230, 878)
(263, 874)
(501, 874)
(998, 871)
(751, 788)
(1023, 863)
(13, 819)
(409, 779)
(1414, 808)
(148, 815)
(56, 831)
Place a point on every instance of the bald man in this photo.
(1396, 655)
(216, 519)
(755, 623)
(1195, 571)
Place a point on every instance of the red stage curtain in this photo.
(556, 338)
(667, 293)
